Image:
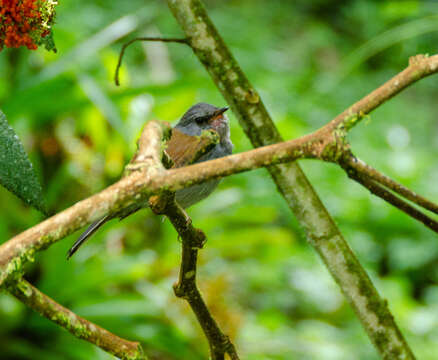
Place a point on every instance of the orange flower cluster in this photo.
(21, 23)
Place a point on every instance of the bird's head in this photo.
(202, 117)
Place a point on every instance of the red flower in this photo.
(22, 22)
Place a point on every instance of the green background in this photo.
(268, 289)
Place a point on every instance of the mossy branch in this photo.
(78, 326)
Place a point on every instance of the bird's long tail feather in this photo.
(86, 234)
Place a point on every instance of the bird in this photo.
(196, 119)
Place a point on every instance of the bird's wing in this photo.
(185, 149)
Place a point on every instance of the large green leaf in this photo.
(16, 171)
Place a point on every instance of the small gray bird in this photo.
(198, 118)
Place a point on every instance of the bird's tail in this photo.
(86, 234)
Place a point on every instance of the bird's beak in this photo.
(221, 110)
(217, 115)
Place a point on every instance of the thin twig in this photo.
(192, 240)
(364, 169)
(389, 197)
(78, 326)
(122, 52)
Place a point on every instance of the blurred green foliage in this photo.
(265, 285)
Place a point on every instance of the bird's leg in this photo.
(188, 220)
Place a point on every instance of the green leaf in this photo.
(48, 42)
(16, 171)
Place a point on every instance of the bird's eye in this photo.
(202, 120)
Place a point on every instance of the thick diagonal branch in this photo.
(321, 230)
(78, 326)
(142, 181)
(128, 190)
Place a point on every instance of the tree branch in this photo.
(328, 144)
(78, 326)
(142, 181)
(389, 197)
(321, 230)
(128, 190)
(352, 163)
(146, 176)
(122, 52)
(192, 240)
(419, 67)
(186, 288)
